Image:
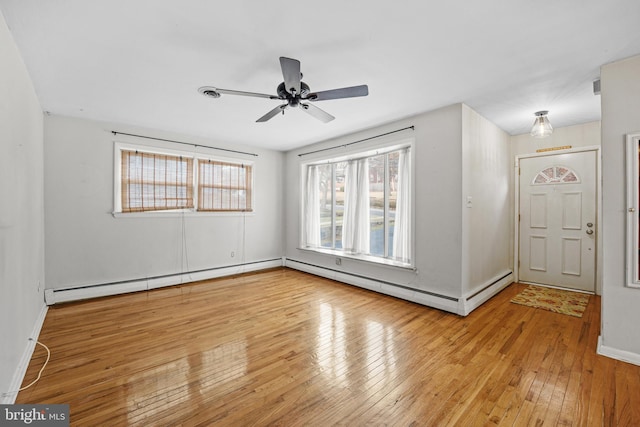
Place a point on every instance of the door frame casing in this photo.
(516, 199)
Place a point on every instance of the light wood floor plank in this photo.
(286, 348)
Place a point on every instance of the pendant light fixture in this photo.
(541, 127)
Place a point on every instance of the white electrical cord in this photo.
(39, 373)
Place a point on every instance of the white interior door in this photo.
(557, 221)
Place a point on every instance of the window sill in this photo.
(361, 257)
(176, 214)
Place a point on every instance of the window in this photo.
(154, 182)
(360, 206)
(224, 186)
(555, 175)
(150, 181)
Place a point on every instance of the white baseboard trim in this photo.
(21, 369)
(429, 299)
(492, 287)
(614, 353)
(55, 296)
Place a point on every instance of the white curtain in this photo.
(402, 232)
(355, 225)
(312, 208)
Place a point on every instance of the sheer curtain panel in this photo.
(402, 231)
(355, 231)
(312, 208)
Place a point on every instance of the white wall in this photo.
(487, 217)
(439, 199)
(438, 189)
(583, 135)
(620, 115)
(86, 245)
(21, 215)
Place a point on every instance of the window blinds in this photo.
(224, 186)
(152, 182)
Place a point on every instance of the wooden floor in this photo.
(286, 348)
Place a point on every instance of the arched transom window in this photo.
(555, 175)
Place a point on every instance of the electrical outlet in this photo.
(338, 261)
(233, 254)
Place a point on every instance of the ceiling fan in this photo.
(295, 92)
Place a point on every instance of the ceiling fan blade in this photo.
(272, 113)
(291, 73)
(215, 92)
(345, 92)
(316, 112)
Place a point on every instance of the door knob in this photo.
(589, 232)
(589, 224)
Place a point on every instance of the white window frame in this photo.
(119, 147)
(382, 146)
(633, 209)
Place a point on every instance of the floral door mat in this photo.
(556, 300)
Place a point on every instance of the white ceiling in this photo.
(140, 62)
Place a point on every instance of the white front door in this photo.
(557, 220)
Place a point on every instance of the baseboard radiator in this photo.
(56, 296)
(462, 306)
(486, 291)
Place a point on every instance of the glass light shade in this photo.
(541, 127)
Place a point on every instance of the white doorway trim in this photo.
(516, 200)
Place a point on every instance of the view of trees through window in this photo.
(383, 183)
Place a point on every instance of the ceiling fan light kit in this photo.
(295, 92)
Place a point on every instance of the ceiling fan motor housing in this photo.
(285, 94)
